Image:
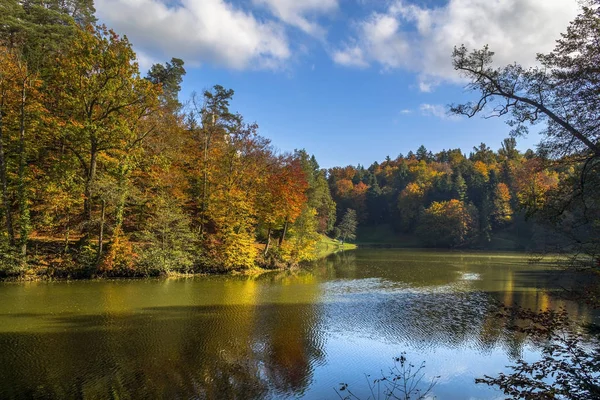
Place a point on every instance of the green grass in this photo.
(327, 246)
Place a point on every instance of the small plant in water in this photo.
(404, 381)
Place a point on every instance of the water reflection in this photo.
(240, 350)
(278, 335)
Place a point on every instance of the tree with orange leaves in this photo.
(284, 196)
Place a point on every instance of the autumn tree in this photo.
(448, 224)
(502, 211)
(533, 183)
(20, 121)
(317, 214)
(235, 187)
(102, 102)
(208, 121)
(284, 196)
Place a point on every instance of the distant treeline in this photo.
(449, 199)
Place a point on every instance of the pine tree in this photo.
(347, 227)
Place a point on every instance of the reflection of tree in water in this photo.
(260, 337)
(292, 347)
(212, 351)
(288, 339)
(431, 319)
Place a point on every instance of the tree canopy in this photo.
(563, 91)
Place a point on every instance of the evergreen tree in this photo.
(460, 188)
(347, 227)
(169, 77)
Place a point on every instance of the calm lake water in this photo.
(280, 335)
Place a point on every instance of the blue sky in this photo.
(351, 81)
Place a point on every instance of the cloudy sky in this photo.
(352, 81)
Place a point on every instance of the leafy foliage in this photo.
(569, 367)
(450, 223)
(563, 93)
(503, 192)
(128, 181)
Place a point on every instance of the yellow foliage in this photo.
(447, 223)
(424, 173)
(237, 250)
(482, 168)
(302, 239)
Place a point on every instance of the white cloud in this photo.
(299, 12)
(438, 111)
(406, 111)
(351, 56)
(379, 40)
(206, 31)
(421, 39)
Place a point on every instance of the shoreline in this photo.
(44, 276)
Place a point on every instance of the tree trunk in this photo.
(285, 228)
(101, 233)
(268, 241)
(67, 232)
(4, 184)
(204, 183)
(24, 220)
(88, 191)
(123, 184)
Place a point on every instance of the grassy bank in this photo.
(327, 246)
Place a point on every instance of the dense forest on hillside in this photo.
(104, 171)
(449, 199)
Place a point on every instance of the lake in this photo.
(278, 335)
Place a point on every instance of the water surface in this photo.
(280, 335)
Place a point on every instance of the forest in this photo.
(105, 171)
(484, 200)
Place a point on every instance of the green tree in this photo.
(423, 154)
(169, 77)
(509, 151)
(43, 28)
(376, 204)
(318, 193)
(483, 153)
(169, 243)
(102, 103)
(347, 227)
